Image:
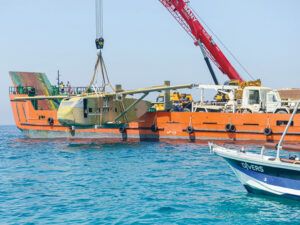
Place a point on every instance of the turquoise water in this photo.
(56, 182)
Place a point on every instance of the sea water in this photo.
(69, 182)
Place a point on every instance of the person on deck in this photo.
(69, 88)
(62, 87)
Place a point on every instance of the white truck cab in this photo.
(262, 99)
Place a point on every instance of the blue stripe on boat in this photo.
(268, 175)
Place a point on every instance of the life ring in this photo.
(230, 128)
(122, 129)
(268, 131)
(190, 130)
(154, 128)
(50, 121)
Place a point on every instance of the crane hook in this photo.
(99, 43)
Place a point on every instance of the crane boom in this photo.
(188, 20)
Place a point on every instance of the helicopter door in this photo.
(85, 108)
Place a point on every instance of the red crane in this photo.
(188, 20)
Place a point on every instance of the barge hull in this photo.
(33, 117)
(170, 125)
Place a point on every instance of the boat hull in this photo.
(267, 183)
(263, 174)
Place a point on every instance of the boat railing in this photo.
(279, 146)
(262, 151)
(74, 91)
(27, 90)
(32, 91)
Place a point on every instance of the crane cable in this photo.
(99, 18)
(224, 46)
(99, 41)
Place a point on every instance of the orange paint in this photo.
(171, 125)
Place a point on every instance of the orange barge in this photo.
(38, 119)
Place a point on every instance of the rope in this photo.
(94, 75)
(123, 109)
(105, 78)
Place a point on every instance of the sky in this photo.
(144, 45)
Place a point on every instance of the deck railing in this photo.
(32, 91)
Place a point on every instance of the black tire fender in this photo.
(154, 128)
(122, 129)
(50, 121)
(268, 131)
(190, 130)
(230, 128)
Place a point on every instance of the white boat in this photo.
(262, 174)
